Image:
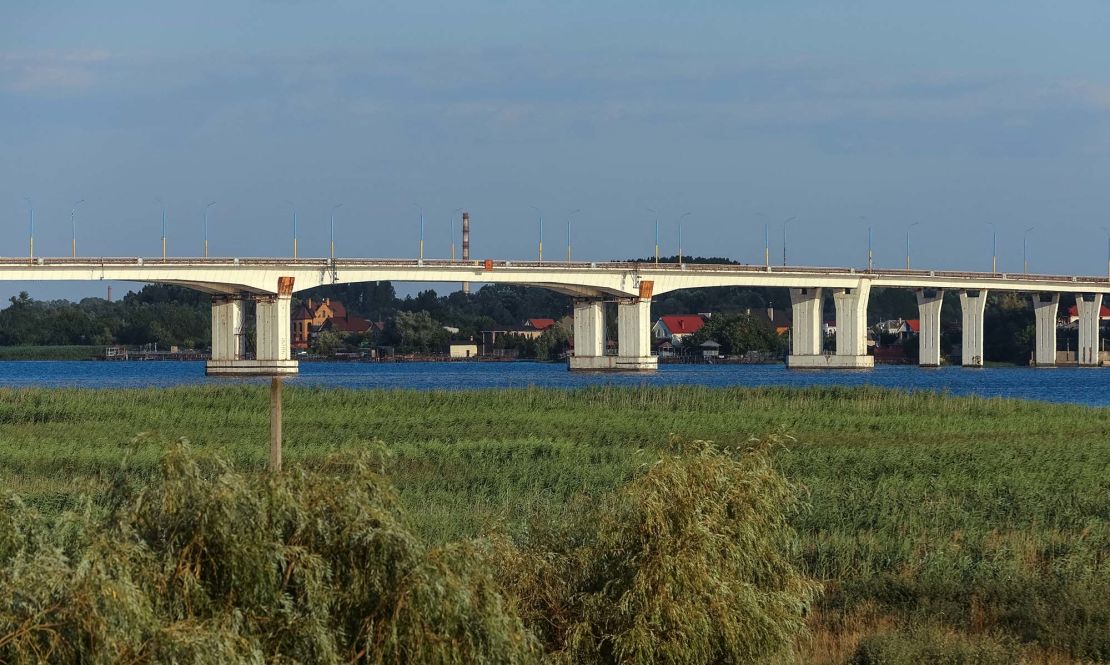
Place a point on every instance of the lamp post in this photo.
(539, 217)
(766, 241)
(1107, 231)
(908, 228)
(570, 214)
(294, 208)
(331, 228)
(994, 247)
(452, 231)
(870, 262)
(1025, 250)
(163, 229)
(207, 207)
(73, 226)
(785, 224)
(421, 209)
(31, 211)
(680, 218)
(656, 214)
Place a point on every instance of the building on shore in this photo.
(312, 318)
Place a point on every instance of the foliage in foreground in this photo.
(689, 562)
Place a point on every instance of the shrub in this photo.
(689, 563)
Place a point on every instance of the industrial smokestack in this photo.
(466, 246)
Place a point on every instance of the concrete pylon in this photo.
(929, 302)
(1045, 307)
(973, 304)
(805, 331)
(1088, 306)
(634, 335)
(228, 342)
(851, 323)
(589, 336)
(273, 333)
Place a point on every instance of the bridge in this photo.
(267, 284)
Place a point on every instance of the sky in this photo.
(952, 116)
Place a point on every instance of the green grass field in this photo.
(974, 526)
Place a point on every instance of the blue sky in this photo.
(844, 115)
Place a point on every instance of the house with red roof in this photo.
(539, 325)
(674, 327)
(312, 317)
(1073, 314)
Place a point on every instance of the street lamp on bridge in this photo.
(785, 224)
(539, 217)
(331, 228)
(31, 211)
(653, 212)
(766, 241)
(73, 226)
(870, 261)
(421, 209)
(452, 230)
(294, 225)
(680, 218)
(207, 207)
(568, 215)
(908, 228)
(163, 206)
(994, 247)
(1025, 250)
(1107, 231)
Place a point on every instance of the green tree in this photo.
(327, 343)
(416, 331)
(737, 334)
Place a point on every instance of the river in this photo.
(1089, 386)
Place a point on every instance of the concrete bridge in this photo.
(268, 284)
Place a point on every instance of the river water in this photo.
(1089, 386)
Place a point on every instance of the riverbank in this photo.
(979, 521)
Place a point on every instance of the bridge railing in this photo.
(484, 264)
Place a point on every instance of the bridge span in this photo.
(268, 285)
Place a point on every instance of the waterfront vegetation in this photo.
(940, 528)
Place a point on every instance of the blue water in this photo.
(1081, 386)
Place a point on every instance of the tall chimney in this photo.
(466, 246)
(109, 293)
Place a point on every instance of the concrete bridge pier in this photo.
(634, 335)
(228, 315)
(1045, 306)
(972, 304)
(805, 331)
(851, 327)
(929, 302)
(589, 336)
(273, 330)
(1088, 306)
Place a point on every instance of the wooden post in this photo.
(275, 424)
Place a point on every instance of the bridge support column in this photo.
(1045, 306)
(929, 302)
(228, 342)
(1088, 306)
(851, 327)
(273, 330)
(634, 335)
(589, 336)
(972, 304)
(805, 329)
